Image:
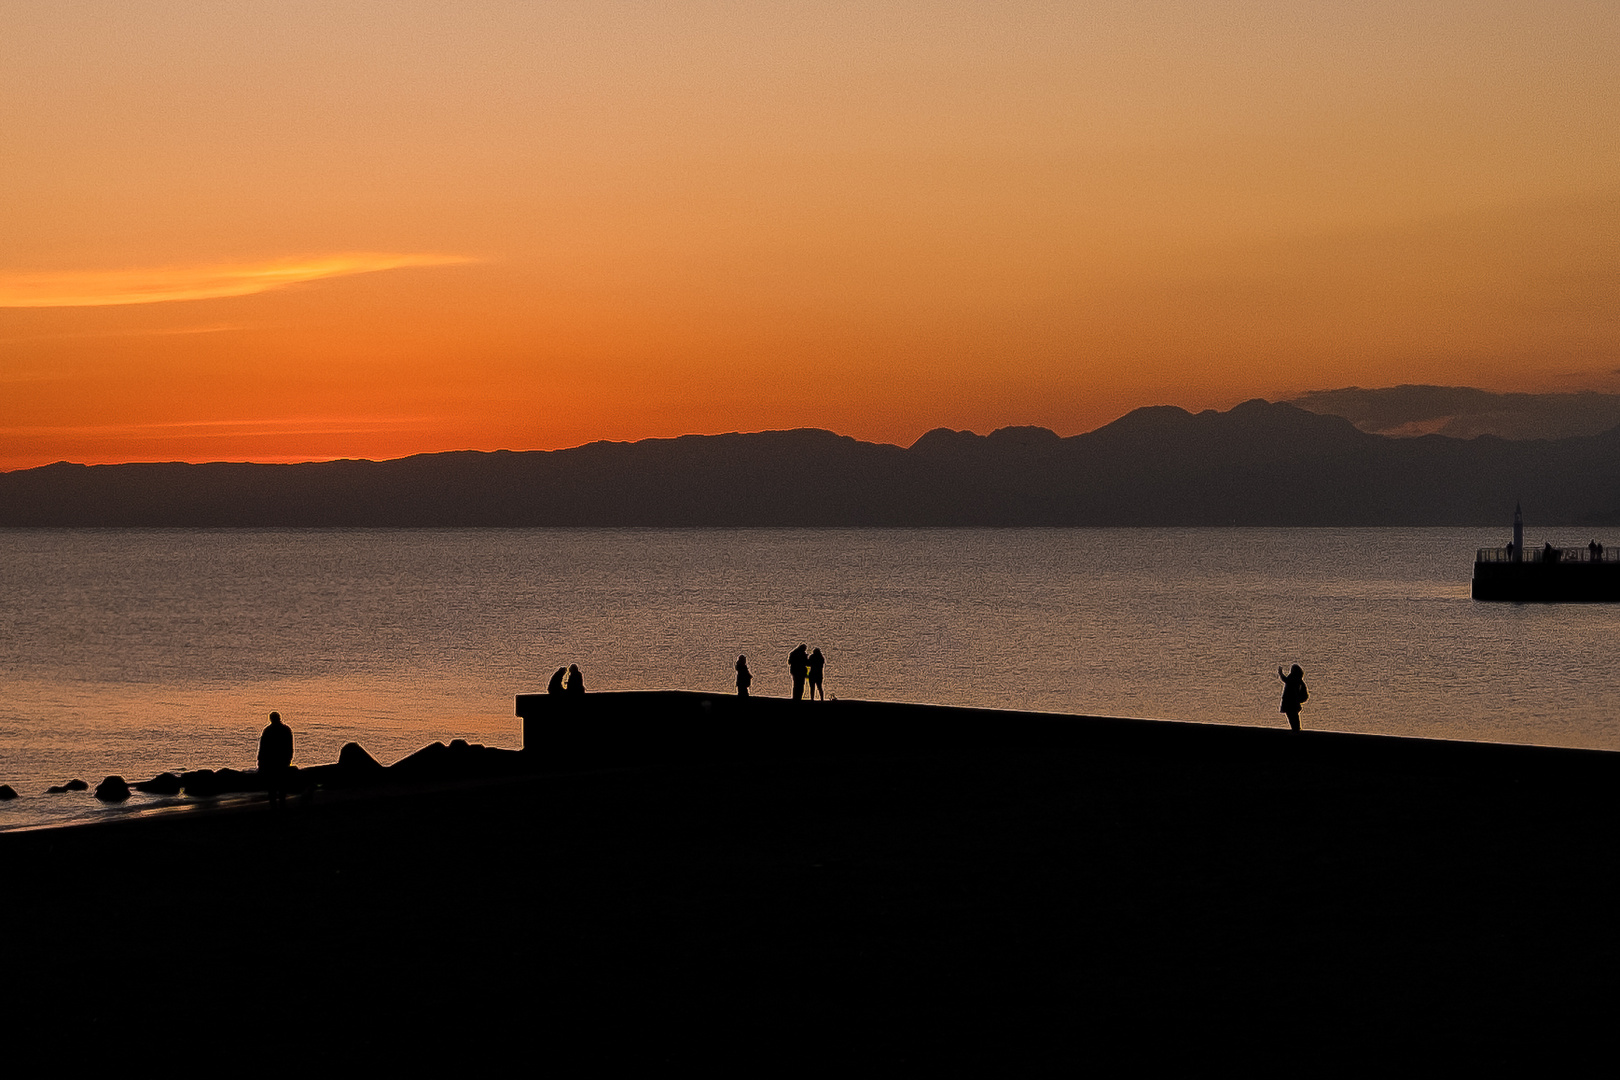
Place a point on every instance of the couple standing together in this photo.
(805, 668)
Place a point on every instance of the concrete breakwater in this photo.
(562, 733)
(863, 882)
(683, 727)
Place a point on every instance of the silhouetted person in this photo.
(555, 686)
(576, 681)
(275, 757)
(1294, 693)
(1549, 554)
(817, 662)
(1510, 551)
(799, 667)
(745, 678)
(1596, 549)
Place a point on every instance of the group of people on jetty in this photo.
(1550, 554)
(806, 669)
(566, 680)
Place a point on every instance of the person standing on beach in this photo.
(1294, 693)
(275, 757)
(817, 662)
(576, 681)
(745, 678)
(798, 667)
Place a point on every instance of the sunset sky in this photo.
(281, 230)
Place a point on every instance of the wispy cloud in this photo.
(103, 288)
(231, 429)
(137, 331)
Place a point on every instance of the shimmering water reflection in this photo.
(134, 651)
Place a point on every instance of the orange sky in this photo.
(291, 230)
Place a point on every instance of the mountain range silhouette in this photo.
(1464, 412)
(1259, 464)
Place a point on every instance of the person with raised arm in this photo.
(1294, 693)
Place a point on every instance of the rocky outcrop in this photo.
(112, 789)
(353, 759)
(198, 782)
(431, 759)
(71, 785)
(355, 768)
(206, 782)
(460, 760)
(161, 784)
(7, 792)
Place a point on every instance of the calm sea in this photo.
(135, 651)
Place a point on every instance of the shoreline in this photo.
(663, 728)
(1021, 902)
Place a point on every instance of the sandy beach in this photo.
(1216, 893)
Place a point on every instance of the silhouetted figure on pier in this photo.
(1510, 551)
(1294, 693)
(799, 668)
(555, 686)
(817, 662)
(1549, 554)
(275, 757)
(745, 678)
(576, 681)
(1596, 550)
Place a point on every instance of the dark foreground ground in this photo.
(1085, 905)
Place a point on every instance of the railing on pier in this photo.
(1542, 554)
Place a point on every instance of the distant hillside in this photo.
(1259, 464)
(1463, 412)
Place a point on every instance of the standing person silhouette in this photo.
(576, 681)
(798, 667)
(1294, 693)
(745, 678)
(817, 662)
(275, 757)
(555, 686)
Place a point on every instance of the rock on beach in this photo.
(112, 789)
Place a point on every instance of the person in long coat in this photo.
(798, 667)
(275, 757)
